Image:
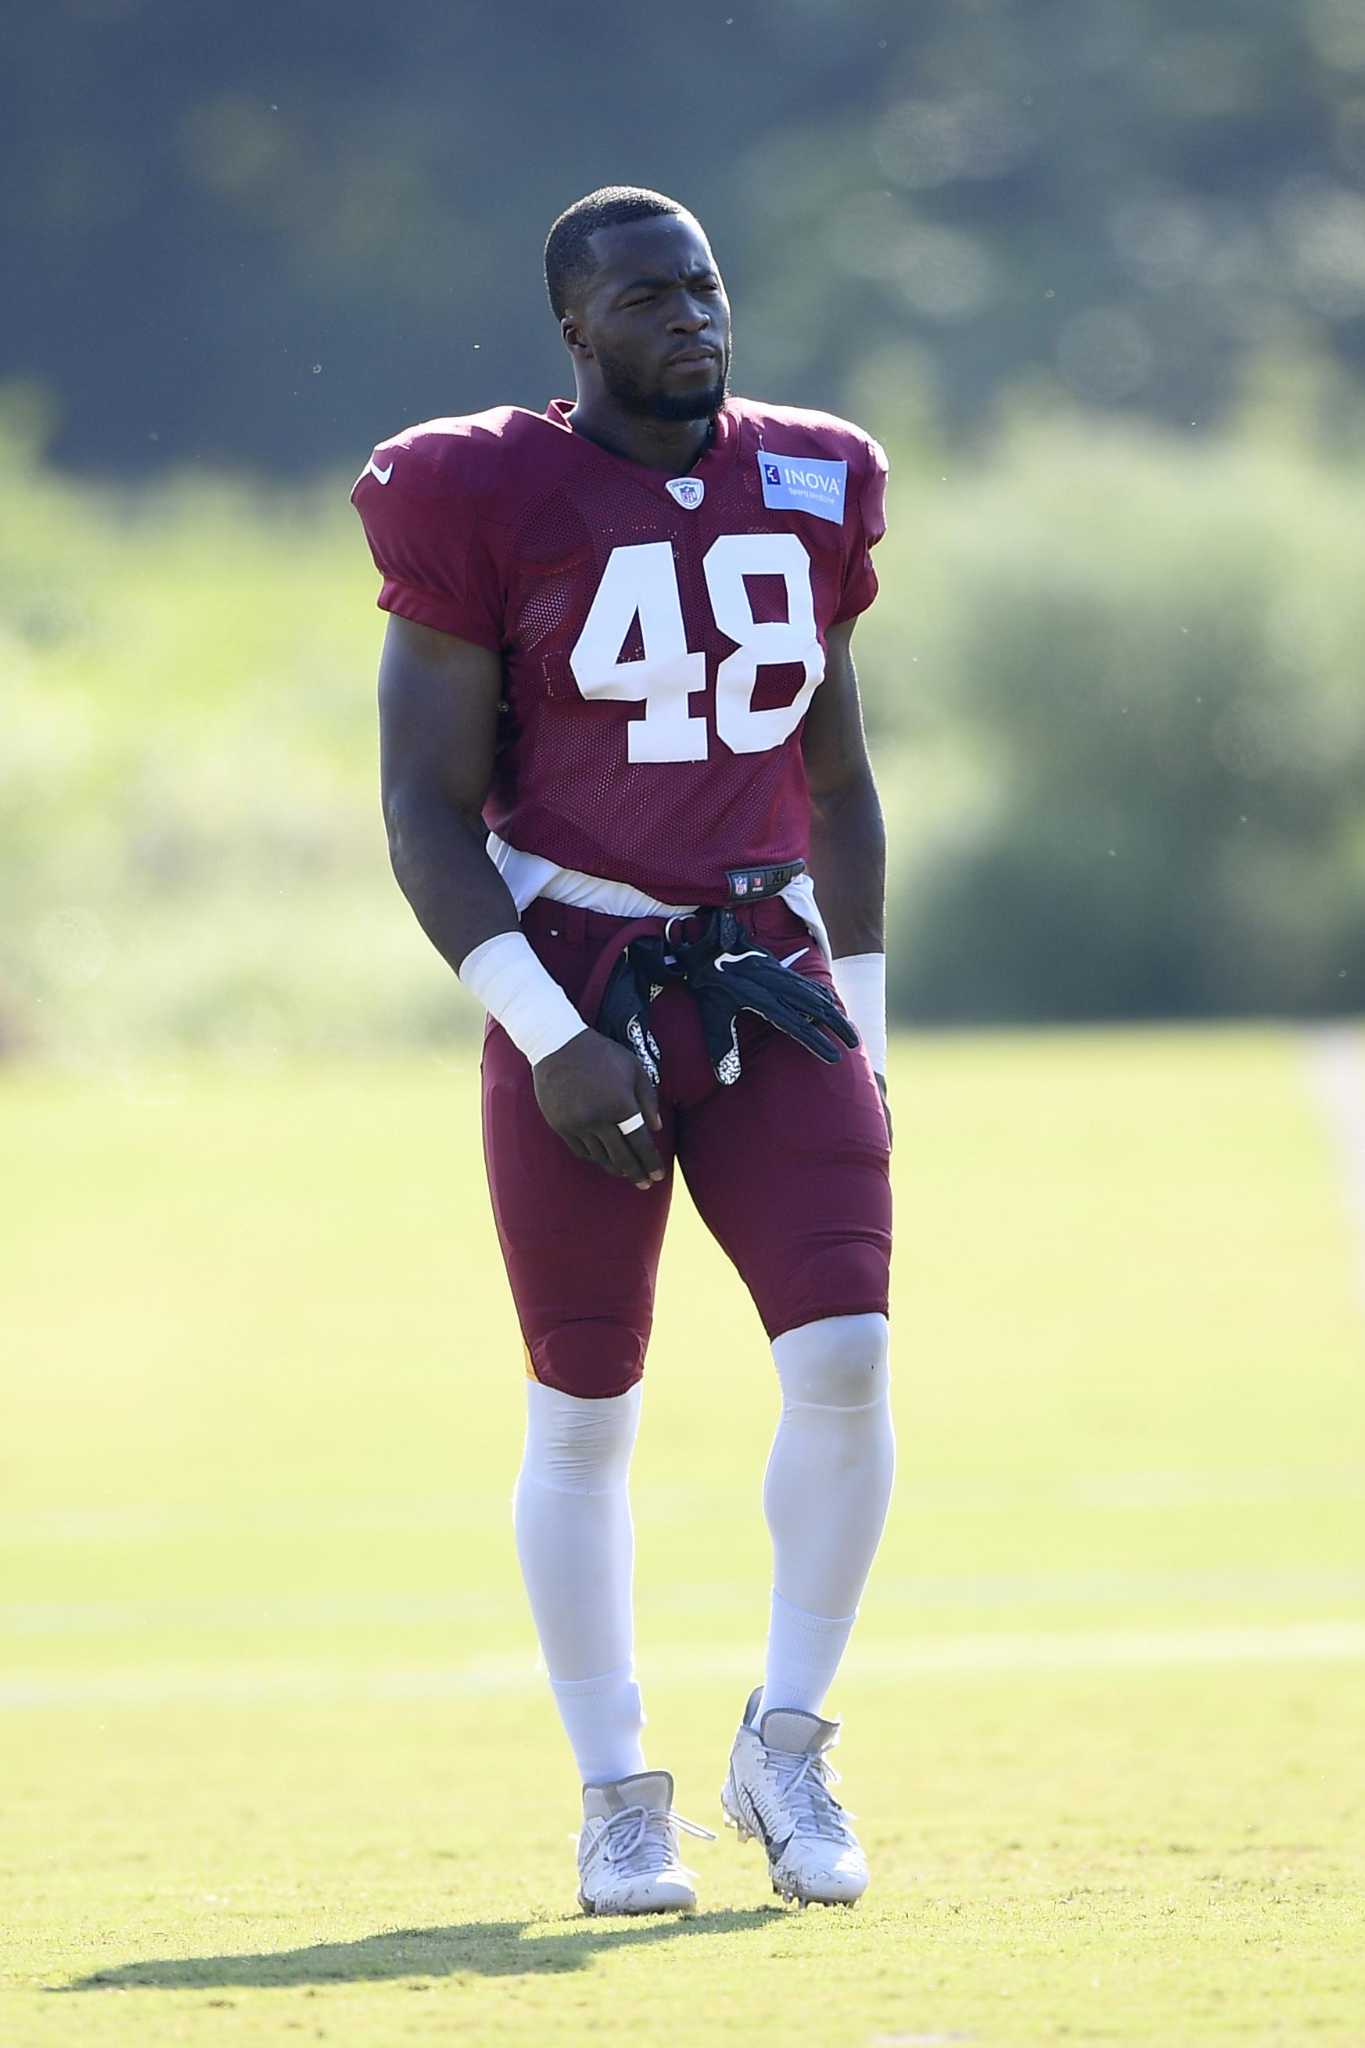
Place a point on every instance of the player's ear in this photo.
(575, 341)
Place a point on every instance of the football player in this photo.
(628, 797)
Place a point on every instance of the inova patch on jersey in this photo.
(803, 483)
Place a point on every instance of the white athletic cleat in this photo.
(778, 1790)
(628, 1850)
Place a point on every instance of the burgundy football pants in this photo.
(788, 1169)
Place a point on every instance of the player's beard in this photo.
(648, 402)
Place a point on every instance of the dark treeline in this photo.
(1094, 270)
(260, 235)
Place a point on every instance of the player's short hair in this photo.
(568, 260)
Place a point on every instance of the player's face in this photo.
(656, 319)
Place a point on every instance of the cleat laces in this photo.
(803, 1784)
(638, 1841)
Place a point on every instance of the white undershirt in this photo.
(529, 875)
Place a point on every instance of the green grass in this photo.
(277, 1761)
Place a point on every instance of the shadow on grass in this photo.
(480, 1948)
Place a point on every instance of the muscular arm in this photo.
(438, 714)
(848, 838)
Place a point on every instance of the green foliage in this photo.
(1112, 682)
(187, 782)
(1148, 651)
(1128, 197)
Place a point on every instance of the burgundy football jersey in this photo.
(661, 637)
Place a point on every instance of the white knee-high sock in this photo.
(576, 1543)
(825, 1496)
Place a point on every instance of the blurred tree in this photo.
(1113, 676)
(259, 235)
(1151, 651)
(1095, 270)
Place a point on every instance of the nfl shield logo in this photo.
(688, 490)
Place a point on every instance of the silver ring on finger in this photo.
(631, 1123)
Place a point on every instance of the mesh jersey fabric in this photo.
(500, 528)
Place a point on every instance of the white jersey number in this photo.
(641, 582)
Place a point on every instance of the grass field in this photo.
(279, 1767)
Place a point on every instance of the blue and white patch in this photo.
(803, 483)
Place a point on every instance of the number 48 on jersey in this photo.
(641, 581)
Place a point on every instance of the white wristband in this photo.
(861, 981)
(525, 998)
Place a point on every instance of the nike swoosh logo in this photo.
(382, 474)
(732, 958)
(792, 958)
(770, 1842)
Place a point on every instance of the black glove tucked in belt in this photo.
(727, 972)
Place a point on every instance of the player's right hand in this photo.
(586, 1091)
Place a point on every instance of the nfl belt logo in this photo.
(741, 885)
(688, 490)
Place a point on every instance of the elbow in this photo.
(399, 826)
(423, 827)
(410, 825)
(853, 794)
